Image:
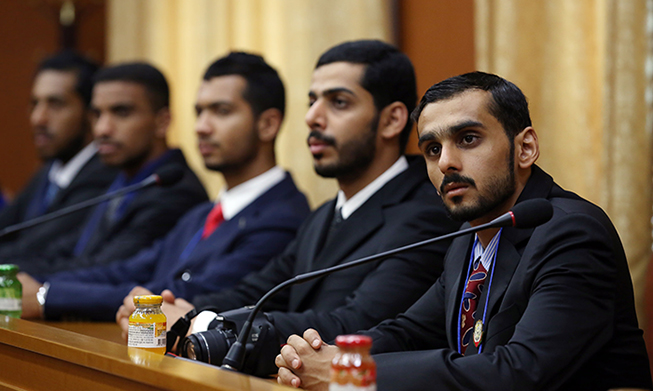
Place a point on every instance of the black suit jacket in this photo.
(151, 214)
(91, 181)
(560, 312)
(405, 210)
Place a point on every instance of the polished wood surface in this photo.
(38, 356)
(108, 331)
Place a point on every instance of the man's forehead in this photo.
(467, 108)
(54, 81)
(337, 75)
(227, 87)
(119, 91)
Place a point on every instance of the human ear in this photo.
(162, 122)
(268, 124)
(392, 120)
(527, 148)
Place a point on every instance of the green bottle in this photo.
(11, 291)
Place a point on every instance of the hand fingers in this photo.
(289, 352)
(287, 378)
(124, 325)
(313, 338)
(168, 296)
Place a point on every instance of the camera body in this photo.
(211, 346)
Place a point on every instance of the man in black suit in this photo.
(72, 171)
(131, 116)
(556, 307)
(360, 97)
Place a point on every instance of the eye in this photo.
(222, 111)
(433, 150)
(122, 111)
(95, 114)
(468, 139)
(340, 103)
(311, 100)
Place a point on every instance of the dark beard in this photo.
(354, 157)
(500, 190)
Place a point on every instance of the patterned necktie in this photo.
(470, 300)
(213, 220)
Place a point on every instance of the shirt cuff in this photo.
(202, 321)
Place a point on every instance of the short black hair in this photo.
(508, 105)
(389, 75)
(70, 61)
(141, 73)
(264, 88)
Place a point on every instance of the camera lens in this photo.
(208, 346)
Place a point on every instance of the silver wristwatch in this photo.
(42, 293)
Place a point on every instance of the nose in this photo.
(315, 118)
(103, 126)
(202, 125)
(39, 115)
(449, 160)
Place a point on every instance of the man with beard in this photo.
(72, 172)
(240, 108)
(360, 96)
(546, 308)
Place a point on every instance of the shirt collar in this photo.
(238, 198)
(487, 254)
(63, 174)
(349, 206)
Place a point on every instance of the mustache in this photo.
(455, 178)
(321, 137)
(42, 131)
(106, 140)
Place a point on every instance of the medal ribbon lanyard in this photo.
(486, 293)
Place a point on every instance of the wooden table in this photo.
(108, 331)
(38, 356)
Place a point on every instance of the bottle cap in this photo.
(353, 340)
(8, 268)
(148, 299)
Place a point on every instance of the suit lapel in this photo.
(317, 232)
(350, 235)
(507, 260)
(346, 240)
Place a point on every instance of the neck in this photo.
(132, 170)
(486, 235)
(235, 177)
(351, 186)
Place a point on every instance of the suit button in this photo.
(186, 276)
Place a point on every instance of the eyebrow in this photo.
(449, 132)
(332, 91)
(212, 105)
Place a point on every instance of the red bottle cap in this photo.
(353, 340)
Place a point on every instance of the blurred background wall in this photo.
(585, 66)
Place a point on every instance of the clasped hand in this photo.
(305, 362)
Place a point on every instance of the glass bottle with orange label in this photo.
(147, 324)
(353, 368)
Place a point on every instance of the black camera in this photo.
(212, 346)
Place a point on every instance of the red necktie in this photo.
(213, 220)
(470, 300)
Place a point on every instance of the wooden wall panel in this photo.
(438, 36)
(29, 31)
